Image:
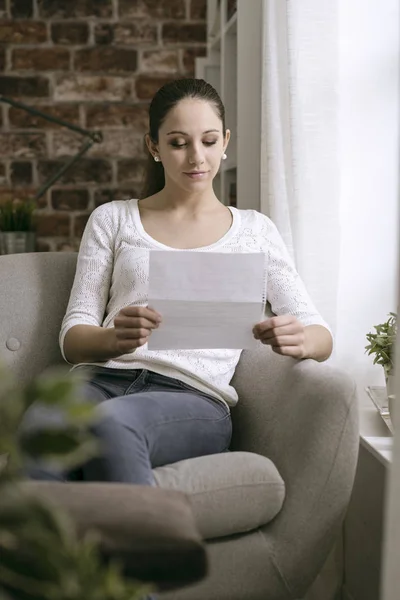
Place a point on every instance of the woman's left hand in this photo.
(285, 334)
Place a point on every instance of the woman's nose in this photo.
(196, 156)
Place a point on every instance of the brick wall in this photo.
(95, 63)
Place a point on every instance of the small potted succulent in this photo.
(17, 228)
(381, 344)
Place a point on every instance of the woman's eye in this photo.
(178, 144)
(210, 143)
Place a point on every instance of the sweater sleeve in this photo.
(286, 291)
(90, 290)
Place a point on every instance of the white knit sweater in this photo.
(112, 272)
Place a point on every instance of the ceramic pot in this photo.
(16, 242)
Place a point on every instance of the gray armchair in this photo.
(270, 510)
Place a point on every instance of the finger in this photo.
(132, 334)
(124, 347)
(274, 322)
(284, 340)
(293, 351)
(153, 310)
(134, 322)
(291, 329)
(141, 312)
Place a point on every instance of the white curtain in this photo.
(299, 163)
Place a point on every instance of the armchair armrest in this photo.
(150, 531)
(302, 415)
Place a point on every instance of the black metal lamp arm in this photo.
(95, 137)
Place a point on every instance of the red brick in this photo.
(3, 177)
(135, 33)
(86, 170)
(75, 88)
(75, 8)
(34, 87)
(104, 58)
(69, 245)
(21, 173)
(104, 33)
(56, 224)
(146, 86)
(23, 32)
(66, 143)
(80, 224)
(198, 9)
(21, 9)
(153, 9)
(102, 196)
(43, 202)
(70, 199)
(120, 142)
(23, 145)
(114, 115)
(179, 33)
(23, 120)
(2, 59)
(231, 8)
(69, 33)
(160, 61)
(189, 57)
(42, 246)
(8, 194)
(40, 59)
(130, 170)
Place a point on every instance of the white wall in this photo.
(369, 105)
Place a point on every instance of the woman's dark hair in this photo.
(164, 100)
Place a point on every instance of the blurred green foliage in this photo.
(41, 557)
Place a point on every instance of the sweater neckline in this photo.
(226, 237)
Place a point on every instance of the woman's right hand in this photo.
(133, 326)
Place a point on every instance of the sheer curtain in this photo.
(299, 161)
(299, 139)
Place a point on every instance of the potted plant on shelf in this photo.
(17, 228)
(381, 343)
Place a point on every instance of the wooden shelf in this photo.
(215, 42)
(228, 166)
(231, 26)
(233, 67)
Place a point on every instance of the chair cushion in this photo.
(232, 492)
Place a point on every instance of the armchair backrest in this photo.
(34, 292)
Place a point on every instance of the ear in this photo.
(152, 147)
(227, 138)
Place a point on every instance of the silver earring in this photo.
(157, 158)
(224, 156)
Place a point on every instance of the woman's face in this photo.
(191, 144)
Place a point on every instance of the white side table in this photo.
(363, 529)
(375, 425)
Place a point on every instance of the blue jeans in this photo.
(146, 420)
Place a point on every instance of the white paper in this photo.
(206, 299)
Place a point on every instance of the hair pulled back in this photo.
(167, 97)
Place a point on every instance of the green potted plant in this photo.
(381, 344)
(17, 227)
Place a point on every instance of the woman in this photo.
(159, 407)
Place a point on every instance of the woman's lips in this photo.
(196, 174)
